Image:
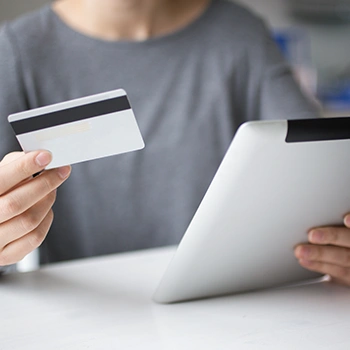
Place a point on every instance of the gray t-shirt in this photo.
(190, 91)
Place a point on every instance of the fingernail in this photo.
(316, 236)
(63, 172)
(302, 252)
(347, 220)
(43, 159)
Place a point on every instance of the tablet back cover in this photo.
(277, 180)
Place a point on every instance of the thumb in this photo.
(11, 157)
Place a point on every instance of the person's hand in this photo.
(25, 202)
(328, 252)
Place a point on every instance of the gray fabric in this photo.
(190, 91)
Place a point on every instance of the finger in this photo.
(347, 220)
(11, 157)
(338, 236)
(17, 250)
(25, 196)
(338, 273)
(26, 222)
(21, 168)
(327, 254)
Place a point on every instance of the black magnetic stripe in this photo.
(70, 115)
(321, 129)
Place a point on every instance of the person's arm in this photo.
(25, 202)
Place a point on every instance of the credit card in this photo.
(79, 130)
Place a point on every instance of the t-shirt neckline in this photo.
(158, 40)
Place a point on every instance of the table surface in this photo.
(105, 303)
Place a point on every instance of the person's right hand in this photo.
(25, 202)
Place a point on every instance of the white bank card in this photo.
(79, 130)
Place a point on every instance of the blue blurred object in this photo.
(283, 42)
(295, 45)
(336, 96)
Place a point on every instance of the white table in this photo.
(105, 303)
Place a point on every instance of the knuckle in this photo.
(347, 258)
(36, 238)
(4, 259)
(317, 253)
(333, 236)
(10, 205)
(48, 201)
(24, 168)
(28, 222)
(344, 273)
(9, 157)
(6, 158)
(47, 222)
(50, 216)
(51, 198)
(2, 185)
(47, 182)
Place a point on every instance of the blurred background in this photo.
(314, 35)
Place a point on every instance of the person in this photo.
(194, 71)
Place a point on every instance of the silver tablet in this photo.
(277, 180)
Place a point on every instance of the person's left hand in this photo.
(328, 252)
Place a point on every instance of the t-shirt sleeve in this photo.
(12, 92)
(12, 97)
(272, 86)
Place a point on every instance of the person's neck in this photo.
(134, 20)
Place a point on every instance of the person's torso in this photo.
(189, 94)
